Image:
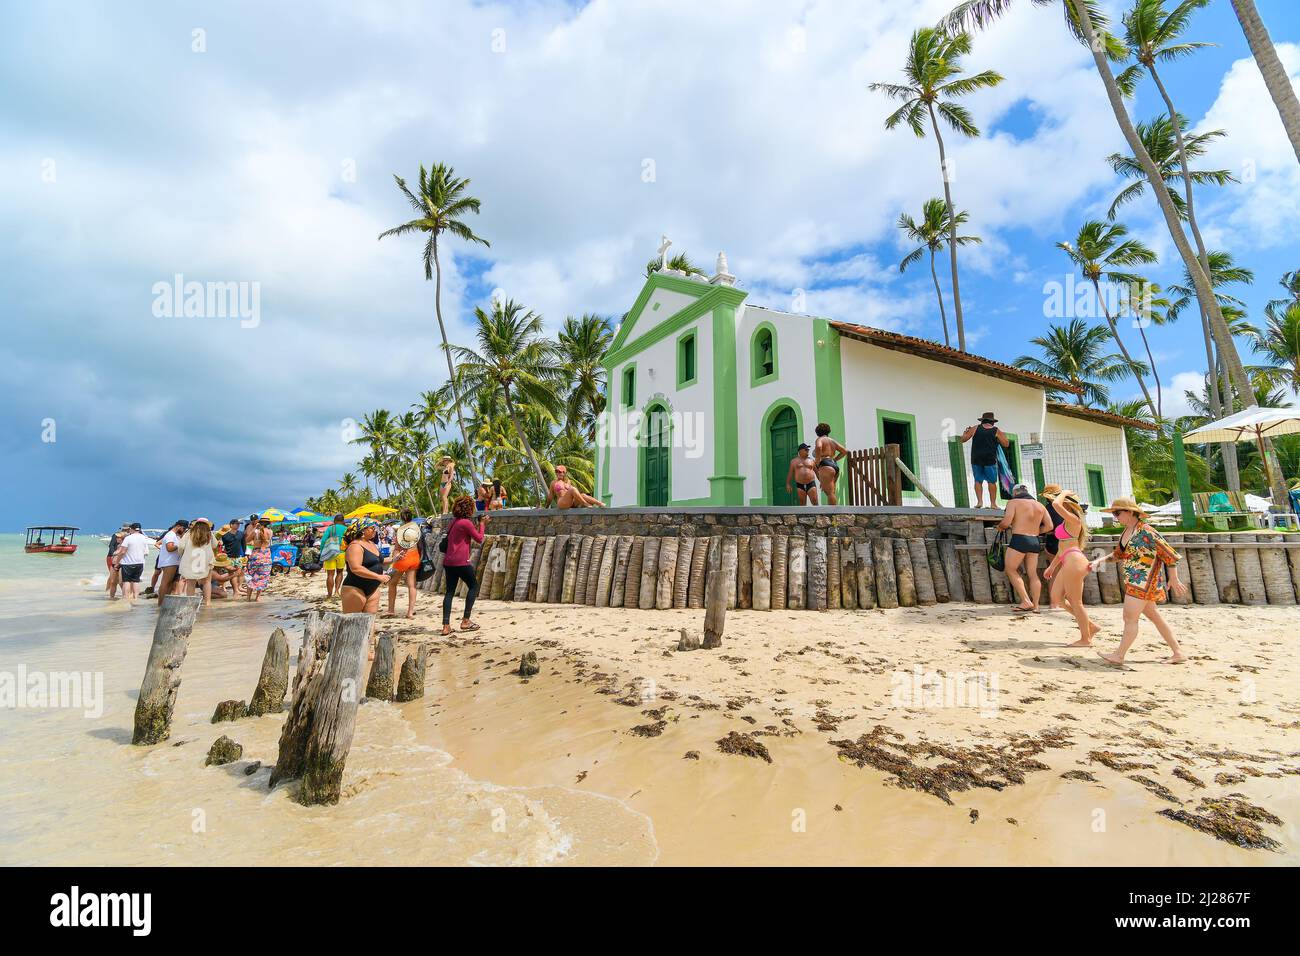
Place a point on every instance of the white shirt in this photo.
(169, 559)
(197, 563)
(137, 546)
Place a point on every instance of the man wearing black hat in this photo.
(802, 475)
(985, 436)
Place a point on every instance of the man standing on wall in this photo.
(985, 436)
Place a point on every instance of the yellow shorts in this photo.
(336, 563)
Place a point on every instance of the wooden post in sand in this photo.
(605, 572)
(863, 550)
(1200, 571)
(1175, 541)
(1277, 576)
(666, 576)
(410, 684)
(162, 673)
(583, 584)
(317, 630)
(904, 574)
(796, 575)
(334, 716)
(273, 682)
(1001, 587)
(649, 573)
(981, 584)
(682, 578)
(599, 545)
(834, 590)
(380, 684)
(1250, 573)
(729, 567)
(882, 555)
(498, 562)
(715, 611)
(848, 575)
(921, 576)
(512, 568)
(622, 546)
(937, 572)
(306, 687)
(1225, 570)
(544, 571)
(632, 583)
(1293, 559)
(555, 586)
(816, 557)
(569, 586)
(780, 571)
(947, 549)
(698, 573)
(760, 557)
(525, 569)
(744, 572)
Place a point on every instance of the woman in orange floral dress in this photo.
(1147, 561)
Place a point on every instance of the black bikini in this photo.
(371, 562)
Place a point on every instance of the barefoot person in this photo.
(405, 562)
(456, 562)
(566, 495)
(360, 588)
(1026, 519)
(985, 436)
(197, 559)
(332, 558)
(169, 557)
(1147, 561)
(828, 452)
(448, 465)
(1071, 565)
(258, 542)
(130, 561)
(802, 475)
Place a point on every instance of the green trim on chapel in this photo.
(828, 376)
(764, 426)
(754, 378)
(653, 281)
(690, 335)
(656, 401)
(905, 418)
(708, 299)
(726, 484)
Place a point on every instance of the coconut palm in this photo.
(513, 361)
(1160, 139)
(1275, 75)
(432, 411)
(934, 79)
(1077, 353)
(1100, 250)
(378, 430)
(582, 344)
(1291, 283)
(1087, 24)
(440, 203)
(1279, 343)
(932, 233)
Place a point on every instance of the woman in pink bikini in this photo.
(1071, 565)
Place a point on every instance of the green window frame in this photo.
(1089, 471)
(627, 386)
(1040, 476)
(957, 465)
(909, 453)
(688, 359)
(758, 374)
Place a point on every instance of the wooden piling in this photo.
(938, 573)
(848, 575)
(599, 546)
(682, 579)
(744, 572)
(904, 573)
(1175, 540)
(921, 576)
(780, 570)
(1092, 588)
(556, 585)
(512, 567)
(699, 574)
(525, 572)
(1200, 571)
(1277, 575)
(582, 583)
(666, 575)
(834, 593)
(981, 582)
(498, 561)
(760, 556)
(410, 684)
(1250, 573)
(569, 583)
(649, 573)
(622, 546)
(998, 583)
(273, 682)
(882, 555)
(318, 627)
(632, 586)
(334, 716)
(796, 575)
(715, 611)
(1293, 559)
(1225, 569)
(817, 584)
(1108, 585)
(730, 568)
(162, 672)
(543, 588)
(380, 684)
(865, 554)
(952, 569)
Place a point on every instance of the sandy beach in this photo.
(945, 735)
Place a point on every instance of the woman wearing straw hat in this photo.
(1070, 566)
(1147, 561)
(405, 560)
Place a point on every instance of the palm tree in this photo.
(934, 78)
(1279, 342)
(582, 345)
(932, 233)
(1086, 22)
(1077, 353)
(1275, 75)
(441, 203)
(377, 431)
(1160, 139)
(432, 411)
(1291, 283)
(517, 363)
(1101, 251)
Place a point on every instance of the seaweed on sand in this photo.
(744, 745)
(1230, 819)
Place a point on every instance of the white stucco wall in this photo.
(944, 400)
(662, 304)
(1071, 444)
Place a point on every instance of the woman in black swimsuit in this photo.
(360, 590)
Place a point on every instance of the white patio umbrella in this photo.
(1253, 424)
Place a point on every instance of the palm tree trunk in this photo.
(952, 232)
(939, 294)
(528, 448)
(1275, 75)
(1160, 398)
(1227, 450)
(446, 351)
(1114, 333)
(1204, 291)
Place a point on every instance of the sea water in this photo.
(75, 791)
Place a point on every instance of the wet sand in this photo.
(880, 749)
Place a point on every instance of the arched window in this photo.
(763, 367)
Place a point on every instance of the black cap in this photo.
(803, 446)
(135, 526)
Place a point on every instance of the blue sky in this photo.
(254, 143)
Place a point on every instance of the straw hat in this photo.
(1126, 504)
(222, 560)
(408, 535)
(1050, 491)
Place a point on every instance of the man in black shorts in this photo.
(1026, 519)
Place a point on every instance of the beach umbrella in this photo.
(370, 511)
(1253, 424)
(306, 514)
(275, 515)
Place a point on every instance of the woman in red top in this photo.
(456, 562)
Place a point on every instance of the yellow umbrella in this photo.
(370, 511)
(275, 515)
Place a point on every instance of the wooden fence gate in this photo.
(874, 478)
